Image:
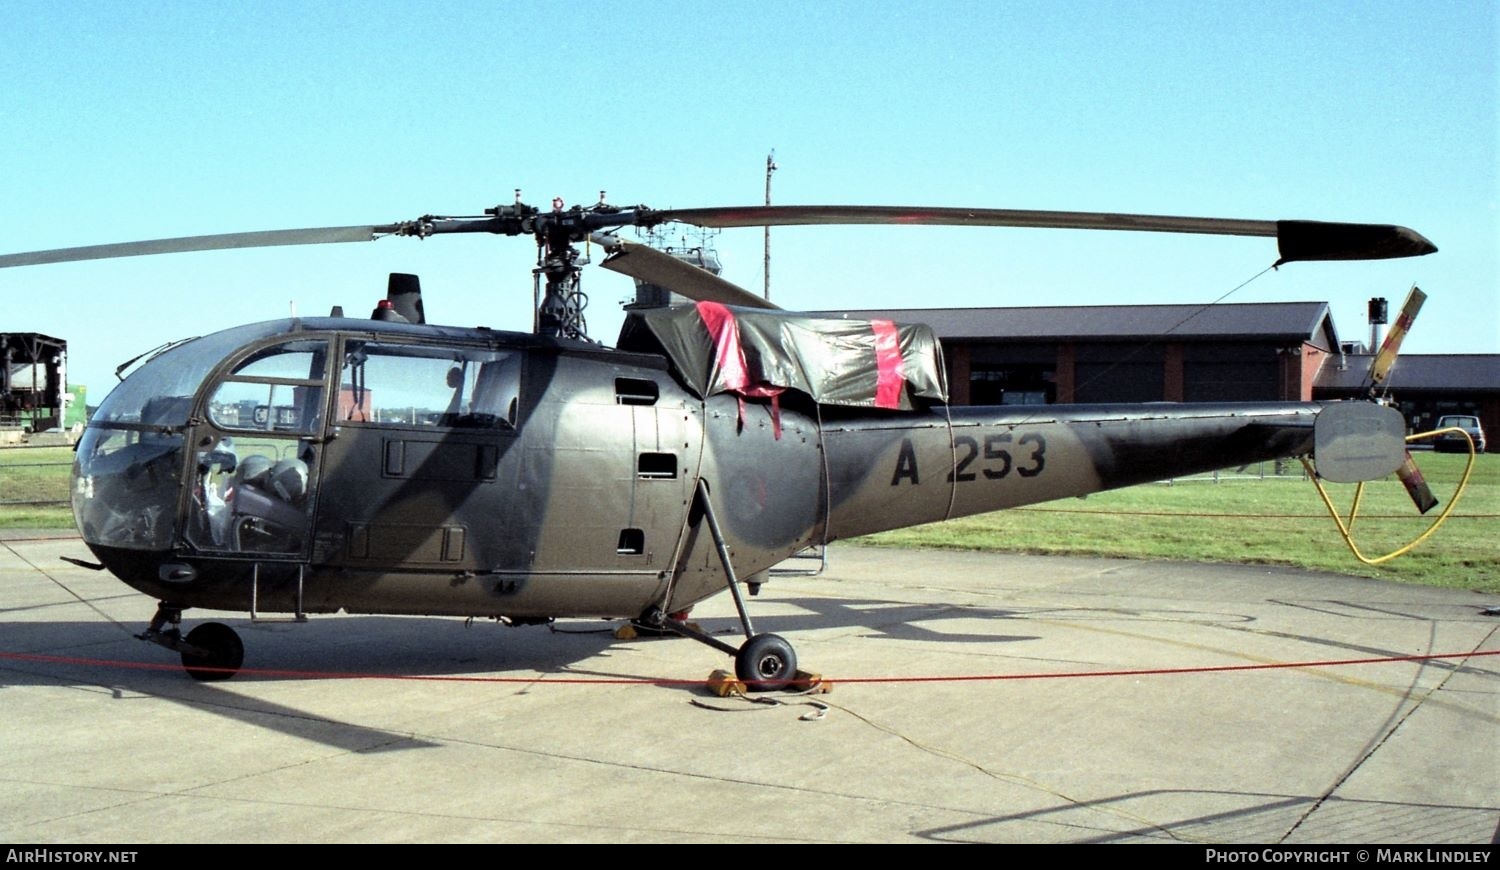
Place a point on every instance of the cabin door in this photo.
(257, 454)
(420, 462)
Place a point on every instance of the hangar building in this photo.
(1243, 352)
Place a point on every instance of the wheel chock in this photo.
(812, 684)
(723, 683)
(626, 632)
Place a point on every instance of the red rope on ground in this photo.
(627, 681)
(1195, 514)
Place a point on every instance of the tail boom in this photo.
(894, 472)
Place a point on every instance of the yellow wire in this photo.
(1344, 530)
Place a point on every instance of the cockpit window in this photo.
(412, 385)
(296, 360)
(160, 392)
(276, 389)
(129, 476)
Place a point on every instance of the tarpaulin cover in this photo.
(750, 352)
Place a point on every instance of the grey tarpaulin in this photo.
(860, 363)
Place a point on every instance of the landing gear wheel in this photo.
(223, 653)
(766, 663)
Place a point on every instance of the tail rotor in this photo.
(1380, 369)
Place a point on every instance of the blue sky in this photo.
(127, 121)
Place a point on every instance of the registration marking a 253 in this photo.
(995, 457)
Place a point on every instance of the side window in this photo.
(279, 389)
(411, 385)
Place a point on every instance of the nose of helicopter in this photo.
(129, 467)
(125, 488)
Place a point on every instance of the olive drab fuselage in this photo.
(328, 464)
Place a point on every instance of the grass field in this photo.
(1276, 521)
(35, 474)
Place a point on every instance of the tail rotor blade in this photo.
(1380, 369)
(1416, 485)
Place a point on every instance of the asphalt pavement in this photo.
(975, 698)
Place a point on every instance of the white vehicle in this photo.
(1452, 440)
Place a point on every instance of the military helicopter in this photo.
(391, 466)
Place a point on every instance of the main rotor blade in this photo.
(679, 276)
(800, 215)
(1322, 240)
(1297, 240)
(263, 239)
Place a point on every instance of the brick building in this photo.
(1240, 352)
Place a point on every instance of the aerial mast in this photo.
(770, 168)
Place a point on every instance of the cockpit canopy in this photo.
(213, 444)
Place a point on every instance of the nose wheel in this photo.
(212, 651)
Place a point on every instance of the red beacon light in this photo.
(385, 310)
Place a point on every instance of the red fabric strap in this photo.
(729, 359)
(890, 367)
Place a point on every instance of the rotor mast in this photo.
(560, 311)
(559, 301)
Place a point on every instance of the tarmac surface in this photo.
(1106, 728)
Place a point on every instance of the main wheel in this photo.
(223, 653)
(766, 663)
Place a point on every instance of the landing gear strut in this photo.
(764, 662)
(212, 651)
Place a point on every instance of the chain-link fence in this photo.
(1277, 469)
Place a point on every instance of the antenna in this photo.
(770, 168)
(694, 245)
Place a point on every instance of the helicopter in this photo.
(391, 466)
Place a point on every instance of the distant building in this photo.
(1424, 386)
(33, 381)
(1140, 353)
(1239, 352)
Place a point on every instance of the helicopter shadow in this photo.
(101, 657)
(906, 620)
(327, 647)
(878, 618)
